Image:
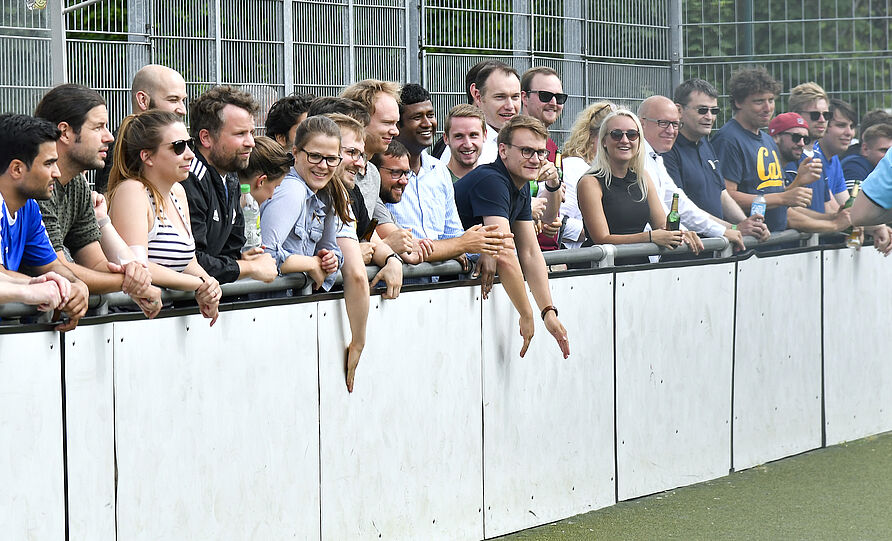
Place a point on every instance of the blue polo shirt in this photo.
(695, 169)
(751, 160)
(489, 191)
(818, 187)
(23, 238)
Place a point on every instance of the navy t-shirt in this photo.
(751, 160)
(23, 238)
(855, 167)
(695, 169)
(489, 191)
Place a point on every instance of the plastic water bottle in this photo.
(759, 205)
(251, 212)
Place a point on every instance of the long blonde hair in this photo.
(601, 166)
(584, 134)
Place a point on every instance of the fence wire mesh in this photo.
(843, 46)
(618, 50)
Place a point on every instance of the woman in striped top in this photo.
(148, 205)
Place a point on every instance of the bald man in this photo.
(661, 121)
(154, 87)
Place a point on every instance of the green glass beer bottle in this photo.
(673, 220)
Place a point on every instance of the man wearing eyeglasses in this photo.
(76, 220)
(222, 124)
(791, 134)
(423, 200)
(499, 194)
(660, 121)
(811, 102)
(694, 166)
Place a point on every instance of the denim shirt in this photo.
(296, 221)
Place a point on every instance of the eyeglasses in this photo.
(703, 110)
(316, 158)
(796, 137)
(180, 146)
(353, 152)
(815, 115)
(617, 135)
(528, 152)
(546, 96)
(664, 123)
(396, 174)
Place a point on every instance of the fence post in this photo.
(676, 42)
(351, 43)
(58, 49)
(137, 35)
(521, 25)
(215, 13)
(288, 47)
(413, 41)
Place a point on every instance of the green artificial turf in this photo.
(842, 492)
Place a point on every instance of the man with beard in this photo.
(29, 171)
(154, 87)
(76, 221)
(464, 133)
(222, 125)
(542, 95)
(423, 200)
(791, 134)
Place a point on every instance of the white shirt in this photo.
(692, 217)
(488, 153)
(573, 168)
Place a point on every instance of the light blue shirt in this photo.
(428, 203)
(878, 184)
(296, 221)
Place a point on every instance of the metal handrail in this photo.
(601, 255)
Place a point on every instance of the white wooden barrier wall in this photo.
(246, 431)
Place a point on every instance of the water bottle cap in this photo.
(245, 188)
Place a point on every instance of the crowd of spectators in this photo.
(348, 181)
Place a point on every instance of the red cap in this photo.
(784, 122)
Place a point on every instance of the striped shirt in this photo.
(168, 246)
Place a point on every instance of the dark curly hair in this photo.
(285, 112)
(749, 81)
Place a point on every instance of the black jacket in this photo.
(218, 225)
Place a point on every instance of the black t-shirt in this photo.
(695, 169)
(489, 191)
(360, 212)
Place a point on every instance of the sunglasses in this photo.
(796, 137)
(546, 96)
(617, 135)
(815, 115)
(703, 110)
(315, 158)
(180, 146)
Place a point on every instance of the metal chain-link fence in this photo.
(623, 51)
(844, 46)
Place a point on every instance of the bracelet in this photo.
(650, 237)
(734, 227)
(549, 308)
(103, 222)
(394, 254)
(556, 188)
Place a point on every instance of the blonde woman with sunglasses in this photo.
(616, 196)
(148, 206)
